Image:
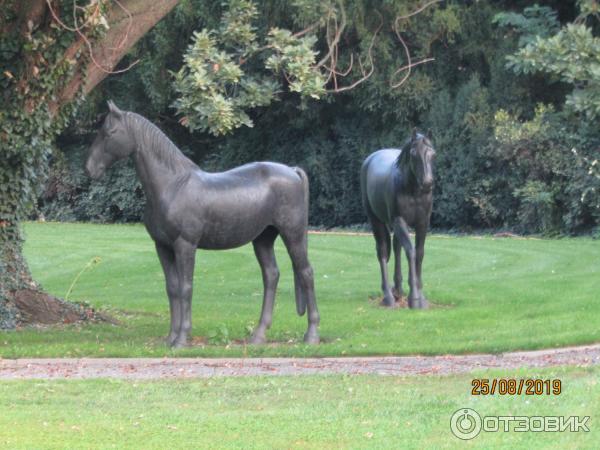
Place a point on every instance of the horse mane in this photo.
(402, 160)
(151, 139)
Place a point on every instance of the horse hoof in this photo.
(388, 302)
(420, 303)
(398, 294)
(257, 339)
(311, 338)
(180, 343)
(170, 339)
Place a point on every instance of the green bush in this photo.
(71, 196)
(503, 161)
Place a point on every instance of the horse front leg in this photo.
(420, 234)
(415, 300)
(167, 261)
(185, 257)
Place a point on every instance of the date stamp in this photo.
(514, 386)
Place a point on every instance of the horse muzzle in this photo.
(427, 186)
(94, 172)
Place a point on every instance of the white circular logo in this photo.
(465, 423)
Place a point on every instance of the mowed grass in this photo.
(320, 412)
(489, 294)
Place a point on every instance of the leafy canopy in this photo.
(214, 87)
(572, 54)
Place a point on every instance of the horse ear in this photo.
(414, 133)
(113, 109)
(429, 133)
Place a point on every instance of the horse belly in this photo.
(233, 227)
(379, 197)
(378, 183)
(216, 236)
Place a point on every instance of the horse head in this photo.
(113, 142)
(421, 155)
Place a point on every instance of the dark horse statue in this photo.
(396, 190)
(187, 209)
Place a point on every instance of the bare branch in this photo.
(408, 58)
(307, 29)
(346, 72)
(333, 43)
(330, 60)
(129, 25)
(418, 10)
(408, 67)
(369, 59)
(77, 28)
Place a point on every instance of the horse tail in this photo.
(300, 293)
(302, 174)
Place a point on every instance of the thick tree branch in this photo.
(129, 20)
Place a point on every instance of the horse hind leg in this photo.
(397, 290)
(297, 246)
(383, 246)
(265, 254)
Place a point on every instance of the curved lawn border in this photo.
(154, 368)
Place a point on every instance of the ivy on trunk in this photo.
(48, 62)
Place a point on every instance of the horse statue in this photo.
(187, 209)
(396, 188)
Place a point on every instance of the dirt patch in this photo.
(37, 307)
(402, 302)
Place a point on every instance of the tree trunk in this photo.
(14, 274)
(23, 156)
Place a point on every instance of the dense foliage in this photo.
(515, 128)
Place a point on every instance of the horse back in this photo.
(228, 209)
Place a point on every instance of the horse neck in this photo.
(406, 179)
(157, 160)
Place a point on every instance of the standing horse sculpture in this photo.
(396, 190)
(187, 209)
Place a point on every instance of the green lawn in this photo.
(285, 412)
(490, 295)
